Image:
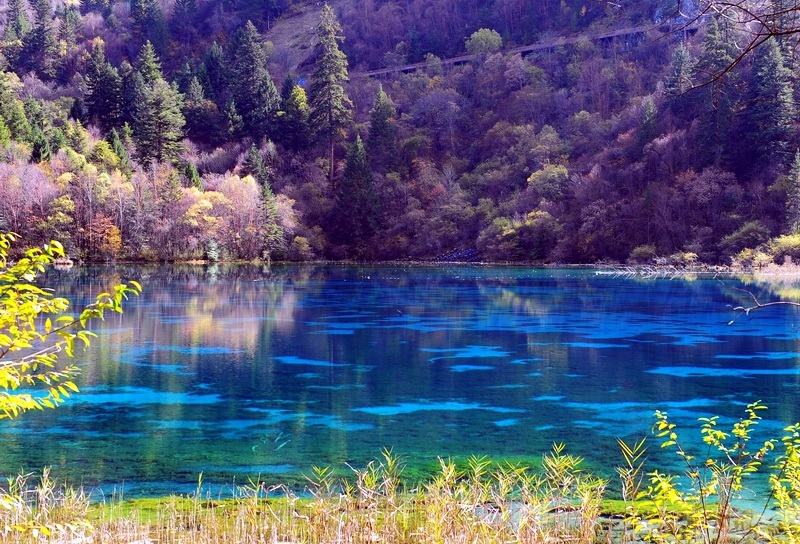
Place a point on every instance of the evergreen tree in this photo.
(213, 73)
(39, 46)
(330, 105)
(295, 129)
(119, 150)
(717, 113)
(17, 25)
(69, 28)
(147, 21)
(287, 87)
(182, 21)
(12, 111)
(192, 175)
(255, 166)
(158, 124)
(251, 85)
(148, 64)
(773, 113)
(232, 121)
(356, 211)
(793, 197)
(132, 91)
(41, 151)
(382, 137)
(679, 80)
(103, 88)
(5, 134)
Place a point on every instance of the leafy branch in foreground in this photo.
(35, 328)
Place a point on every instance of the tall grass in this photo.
(482, 502)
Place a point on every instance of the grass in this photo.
(482, 502)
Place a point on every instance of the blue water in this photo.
(250, 372)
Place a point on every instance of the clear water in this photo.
(250, 372)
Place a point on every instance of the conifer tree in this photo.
(119, 150)
(192, 175)
(69, 28)
(382, 138)
(232, 121)
(132, 90)
(356, 211)
(40, 49)
(12, 111)
(17, 28)
(183, 20)
(716, 118)
(252, 87)
(773, 112)
(103, 88)
(793, 197)
(148, 64)
(295, 129)
(159, 123)
(17, 25)
(147, 22)
(330, 105)
(255, 166)
(213, 73)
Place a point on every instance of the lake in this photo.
(246, 372)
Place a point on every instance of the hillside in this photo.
(569, 131)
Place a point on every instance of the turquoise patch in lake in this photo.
(292, 360)
(337, 366)
(470, 368)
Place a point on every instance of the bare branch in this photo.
(745, 310)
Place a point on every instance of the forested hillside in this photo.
(242, 129)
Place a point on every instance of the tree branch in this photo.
(745, 310)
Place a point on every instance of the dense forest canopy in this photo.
(243, 129)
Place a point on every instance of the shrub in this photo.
(642, 254)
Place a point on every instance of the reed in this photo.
(484, 502)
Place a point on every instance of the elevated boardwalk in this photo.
(538, 46)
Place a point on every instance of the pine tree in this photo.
(17, 25)
(132, 91)
(69, 28)
(382, 138)
(192, 175)
(251, 85)
(39, 46)
(255, 166)
(12, 111)
(147, 22)
(295, 129)
(17, 28)
(330, 105)
(717, 113)
(148, 64)
(103, 88)
(159, 123)
(183, 20)
(233, 124)
(213, 73)
(119, 150)
(41, 151)
(793, 197)
(356, 211)
(773, 113)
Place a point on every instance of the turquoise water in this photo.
(251, 372)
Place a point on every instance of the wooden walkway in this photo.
(546, 44)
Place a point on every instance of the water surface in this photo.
(246, 372)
